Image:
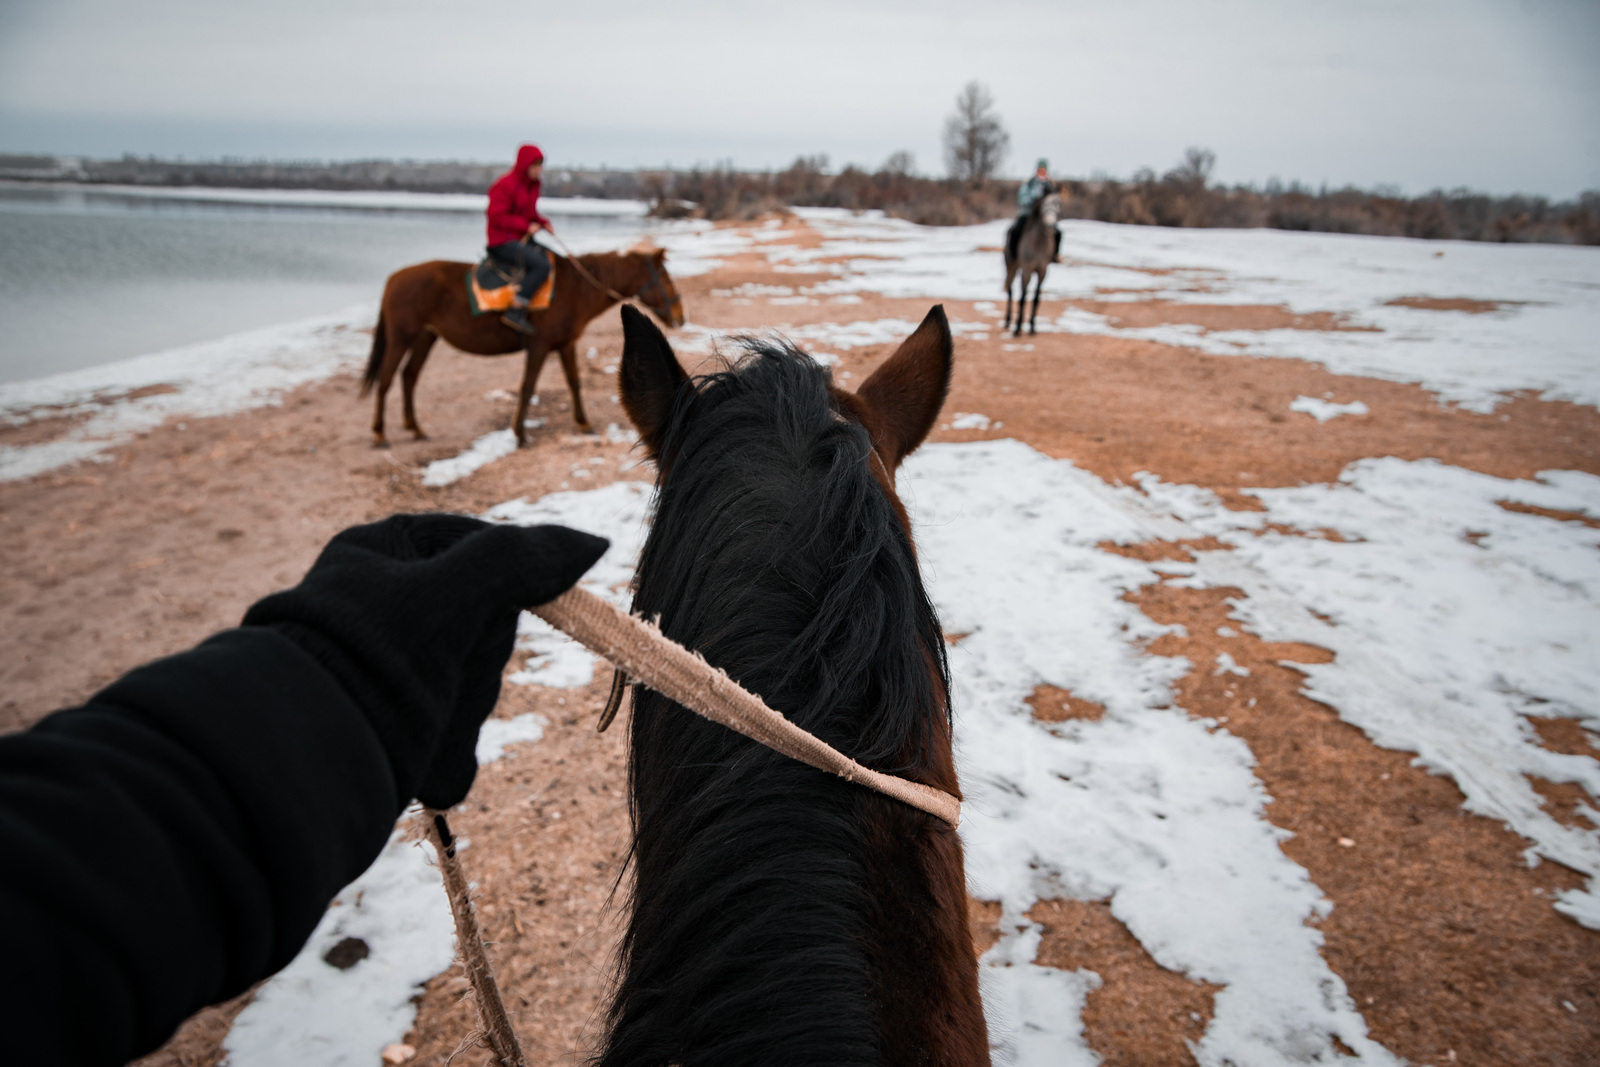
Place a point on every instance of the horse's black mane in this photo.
(777, 555)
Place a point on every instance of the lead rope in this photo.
(639, 649)
(474, 956)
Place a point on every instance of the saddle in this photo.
(492, 286)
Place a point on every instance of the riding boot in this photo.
(1057, 257)
(517, 319)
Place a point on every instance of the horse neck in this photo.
(617, 271)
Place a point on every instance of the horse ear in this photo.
(905, 394)
(651, 376)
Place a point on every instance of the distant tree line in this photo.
(1182, 196)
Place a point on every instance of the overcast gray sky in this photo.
(1501, 95)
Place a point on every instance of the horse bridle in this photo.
(669, 303)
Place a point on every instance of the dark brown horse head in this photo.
(656, 290)
(897, 404)
(780, 914)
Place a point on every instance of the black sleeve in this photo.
(175, 840)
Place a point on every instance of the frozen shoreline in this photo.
(109, 403)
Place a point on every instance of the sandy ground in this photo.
(1443, 934)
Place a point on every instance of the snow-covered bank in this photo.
(1161, 813)
(1543, 335)
(1150, 808)
(104, 406)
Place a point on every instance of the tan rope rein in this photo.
(572, 258)
(640, 648)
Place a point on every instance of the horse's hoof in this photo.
(380, 441)
(584, 427)
(418, 435)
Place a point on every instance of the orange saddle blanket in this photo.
(491, 289)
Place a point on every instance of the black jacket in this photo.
(247, 787)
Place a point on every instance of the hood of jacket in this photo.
(527, 156)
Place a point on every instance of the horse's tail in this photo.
(380, 343)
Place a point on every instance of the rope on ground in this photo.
(469, 940)
(640, 648)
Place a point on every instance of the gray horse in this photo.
(1036, 250)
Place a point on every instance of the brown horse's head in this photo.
(656, 290)
(897, 404)
(780, 914)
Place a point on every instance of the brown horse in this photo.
(427, 301)
(779, 914)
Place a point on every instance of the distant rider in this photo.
(513, 220)
(1032, 191)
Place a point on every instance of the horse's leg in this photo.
(396, 345)
(537, 351)
(1022, 302)
(1038, 288)
(569, 367)
(1011, 274)
(408, 380)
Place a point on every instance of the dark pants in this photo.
(526, 257)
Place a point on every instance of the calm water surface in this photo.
(90, 276)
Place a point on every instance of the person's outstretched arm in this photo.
(178, 837)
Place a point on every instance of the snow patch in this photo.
(484, 451)
(313, 1013)
(1323, 410)
(246, 370)
(498, 734)
(1543, 340)
(1443, 643)
(1147, 807)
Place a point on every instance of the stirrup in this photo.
(517, 319)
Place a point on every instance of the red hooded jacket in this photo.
(514, 200)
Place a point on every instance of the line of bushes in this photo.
(725, 193)
(1183, 196)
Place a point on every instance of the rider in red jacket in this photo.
(513, 220)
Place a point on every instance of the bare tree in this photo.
(975, 142)
(900, 164)
(1195, 170)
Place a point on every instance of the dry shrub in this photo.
(1183, 196)
(724, 193)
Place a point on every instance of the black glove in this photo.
(416, 616)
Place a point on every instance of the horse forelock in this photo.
(765, 464)
(777, 553)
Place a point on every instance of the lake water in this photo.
(91, 275)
